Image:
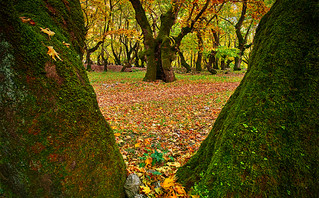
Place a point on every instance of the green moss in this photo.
(57, 142)
(264, 140)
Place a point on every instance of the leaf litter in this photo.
(158, 126)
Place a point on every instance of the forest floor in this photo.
(158, 126)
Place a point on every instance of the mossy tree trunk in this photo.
(54, 139)
(161, 50)
(265, 141)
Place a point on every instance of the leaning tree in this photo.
(54, 139)
(265, 141)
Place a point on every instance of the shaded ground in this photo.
(158, 126)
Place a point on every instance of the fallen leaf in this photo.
(32, 22)
(25, 19)
(176, 164)
(180, 190)
(117, 134)
(53, 53)
(146, 189)
(148, 161)
(48, 32)
(66, 44)
(137, 145)
(168, 182)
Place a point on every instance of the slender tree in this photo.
(54, 139)
(265, 141)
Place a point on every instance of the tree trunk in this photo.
(200, 53)
(237, 63)
(159, 52)
(265, 141)
(54, 139)
(211, 60)
(88, 55)
(222, 64)
(183, 62)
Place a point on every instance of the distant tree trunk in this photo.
(183, 62)
(117, 57)
(105, 62)
(210, 62)
(222, 63)
(228, 63)
(200, 53)
(265, 140)
(242, 40)
(159, 51)
(88, 55)
(54, 139)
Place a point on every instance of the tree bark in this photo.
(159, 51)
(88, 55)
(183, 62)
(54, 139)
(200, 53)
(265, 140)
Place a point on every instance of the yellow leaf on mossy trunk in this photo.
(53, 53)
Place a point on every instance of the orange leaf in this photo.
(66, 44)
(180, 190)
(148, 161)
(168, 182)
(117, 134)
(25, 19)
(53, 53)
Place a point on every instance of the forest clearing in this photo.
(158, 126)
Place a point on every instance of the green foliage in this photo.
(225, 52)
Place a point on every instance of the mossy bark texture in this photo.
(265, 141)
(54, 139)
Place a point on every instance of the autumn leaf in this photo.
(53, 53)
(168, 182)
(148, 161)
(48, 32)
(117, 134)
(25, 19)
(66, 44)
(146, 189)
(137, 145)
(180, 190)
(176, 164)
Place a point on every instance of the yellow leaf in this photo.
(148, 161)
(48, 31)
(176, 164)
(168, 182)
(25, 19)
(137, 145)
(117, 134)
(158, 191)
(66, 44)
(53, 53)
(146, 189)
